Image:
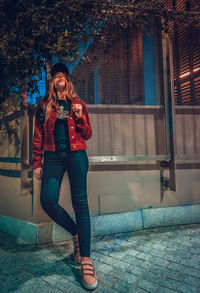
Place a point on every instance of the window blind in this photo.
(186, 55)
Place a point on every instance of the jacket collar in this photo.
(77, 100)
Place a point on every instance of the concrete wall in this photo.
(12, 202)
(123, 191)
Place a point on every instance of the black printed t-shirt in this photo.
(60, 132)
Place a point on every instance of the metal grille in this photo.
(127, 131)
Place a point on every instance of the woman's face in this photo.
(60, 81)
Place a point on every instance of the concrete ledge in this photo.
(51, 232)
(102, 225)
(23, 230)
(116, 223)
(168, 216)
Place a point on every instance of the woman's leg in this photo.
(77, 167)
(53, 171)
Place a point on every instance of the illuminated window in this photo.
(186, 53)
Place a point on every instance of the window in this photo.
(186, 55)
(115, 75)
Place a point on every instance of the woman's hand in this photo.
(38, 173)
(77, 108)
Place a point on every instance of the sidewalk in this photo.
(163, 260)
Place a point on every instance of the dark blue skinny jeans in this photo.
(76, 164)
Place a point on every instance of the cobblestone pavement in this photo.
(163, 260)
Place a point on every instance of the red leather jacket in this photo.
(43, 140)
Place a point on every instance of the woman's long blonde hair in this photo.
(52, 96)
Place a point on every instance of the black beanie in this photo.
(59, 67)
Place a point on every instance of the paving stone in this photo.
(191, 272)
(112, 261)
(136, 290)
(151, 260)
(121, 286)
(105, 290)
(158, 246)
(186, 288)
(153, 277)
(75, 279)
(195, 250)
(191, 263)
(119, 264)
(129, 259)
(181, 248)
(130, 278)
(181, 255)
(170, 283)
(174, 266)
(10, 286)
(107, 279)
(175, 275)
(192, 281)
(115, 273)
(160, 261)
(99, 257)
(60, 282)
(116, 254)
(133, 260)
(196, 257)
(119, 274)
(193, 227)
(195, 239)
(148, 286)
(146, 264)
(131, 251)
(136, 270)
(102, 267)
(159, 253)
(165, 290)
(142, 248)
(187, 243)
(37, 285)
(144, 256)
(160, 271)
(174, 258)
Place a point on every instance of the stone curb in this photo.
(104, 224)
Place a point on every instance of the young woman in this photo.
(62, 125)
